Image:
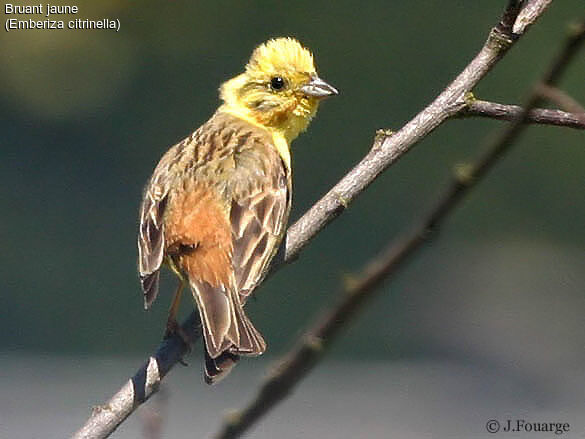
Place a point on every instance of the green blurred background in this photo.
(489, 315)
(86, 115)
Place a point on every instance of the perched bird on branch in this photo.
(216, 207)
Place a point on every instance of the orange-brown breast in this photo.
(198, 235)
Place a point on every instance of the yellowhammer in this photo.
(216, 207)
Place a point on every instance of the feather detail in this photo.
(151, 231)
(258, 225)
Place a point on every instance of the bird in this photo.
(216, 207)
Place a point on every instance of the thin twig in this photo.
(383, 153)
(494, 110)
(308, 351)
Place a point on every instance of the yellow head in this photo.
(279, 90)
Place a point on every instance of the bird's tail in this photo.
(227, 331)
(217, 368)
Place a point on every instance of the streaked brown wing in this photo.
(151, 240)
(258, 221)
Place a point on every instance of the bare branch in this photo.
(529, 14)
(299, 362)
(383, 153)
(494, 110)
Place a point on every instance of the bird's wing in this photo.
(151, 239)
(258, 221)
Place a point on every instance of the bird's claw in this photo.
(173, 328)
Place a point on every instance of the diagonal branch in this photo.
(384, 152)
(309, 350)
(494, 110)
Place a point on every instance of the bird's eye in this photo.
(277, 83)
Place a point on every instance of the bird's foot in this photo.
(173, 328)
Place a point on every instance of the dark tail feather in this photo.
(225, 324)
(251, 341)
(217, 368)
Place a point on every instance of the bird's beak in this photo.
(318, 88)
